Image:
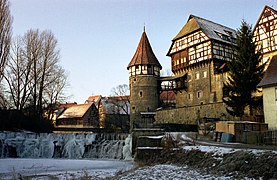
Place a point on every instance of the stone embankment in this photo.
(236, 164)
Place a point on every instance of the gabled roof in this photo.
(263, 13)
(144, 54)
(94, 99)
(270, 76)
(119, 98)
(67, 105)
(210, 28)
(75, 111)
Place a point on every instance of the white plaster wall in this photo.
(270, 107)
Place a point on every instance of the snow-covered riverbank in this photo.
(192, 162)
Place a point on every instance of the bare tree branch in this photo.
(5, 34)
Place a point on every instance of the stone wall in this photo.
(143, 97)
(189, 115)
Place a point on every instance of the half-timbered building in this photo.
(265, 33)
(199, 52)
(265, 36)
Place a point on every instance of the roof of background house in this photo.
(76, 111)
(210, 28)
(67, 105)
(270, 76)
(94, 99)
(144, 54)
(168, 96)
(118, 98)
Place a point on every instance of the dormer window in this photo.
(225, 37)
(229, 32)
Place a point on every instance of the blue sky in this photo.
(98, 38)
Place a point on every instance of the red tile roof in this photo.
(118, 98)
(93, 98)
(67, 105)
(168, 96)
(144, 54)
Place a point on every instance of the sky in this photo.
(98, 38)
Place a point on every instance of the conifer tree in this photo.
(245, 73)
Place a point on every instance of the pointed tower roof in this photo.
(144, 54)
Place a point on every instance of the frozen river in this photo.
(14, 168)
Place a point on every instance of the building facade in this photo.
(144, 72)
(79, 116)
(265, 33)
(269, 87)
(199, 53)
(113, 111)
(265, 36)
(200, 50)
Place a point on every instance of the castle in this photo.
(198, 53)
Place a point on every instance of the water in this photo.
(72, 146)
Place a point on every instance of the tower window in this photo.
(140, 94)
(190, 96)
(197, 75)
(204, 74)
(149, 69)
(199, 94)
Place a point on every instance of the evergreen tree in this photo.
(245, 73)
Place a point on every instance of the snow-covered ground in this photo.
(93, 169)
(12, 168)
(100, 169)
(167, 171)
(224, 150)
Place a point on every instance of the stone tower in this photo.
(144, 72)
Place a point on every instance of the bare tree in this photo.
(3, 99)
(48, 64)
(33, 75)
(122, 100)
(54, 93)
(5, 34)
(18, 75)
(120, 106)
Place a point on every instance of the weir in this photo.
(72, 146)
